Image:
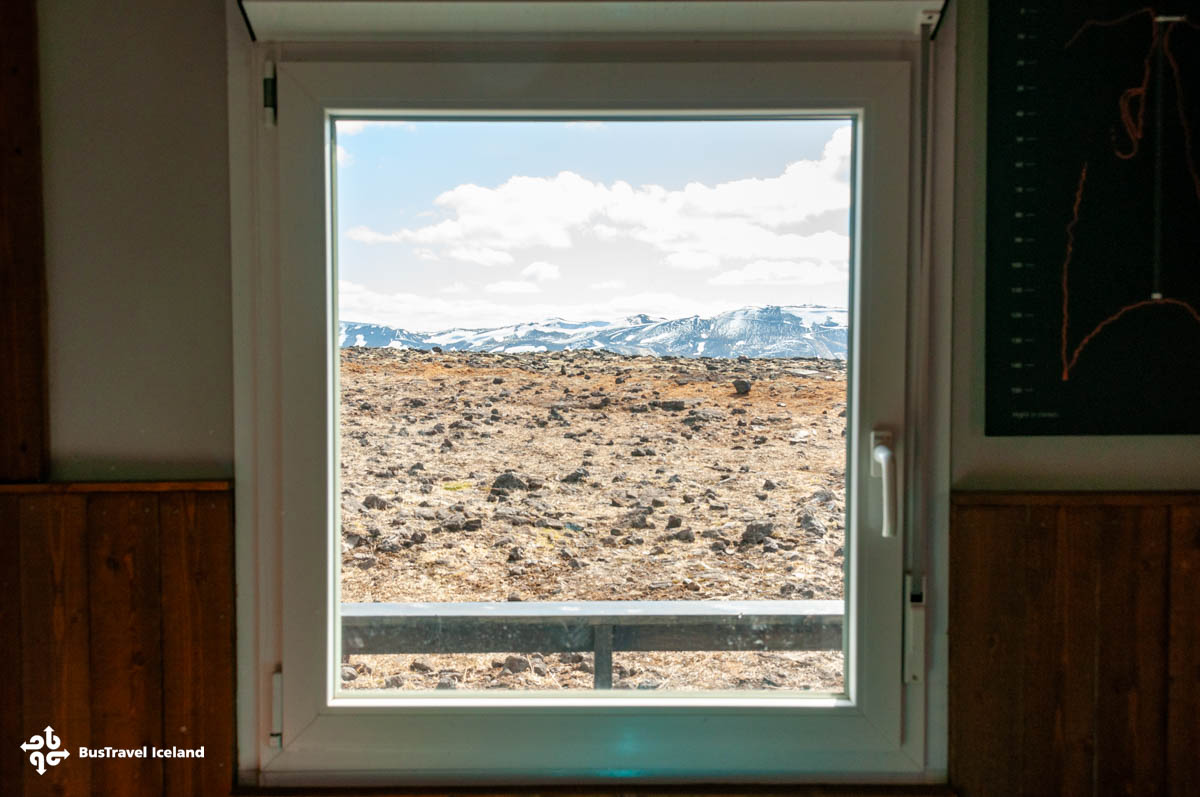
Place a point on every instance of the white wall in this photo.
(137, 238)
(1024, 463)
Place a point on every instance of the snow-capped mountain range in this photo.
(797, 331)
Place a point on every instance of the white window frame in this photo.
(285, 303)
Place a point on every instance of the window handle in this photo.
(883, 464)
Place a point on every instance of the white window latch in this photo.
(883, 465)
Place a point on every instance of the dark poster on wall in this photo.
(1093, 218)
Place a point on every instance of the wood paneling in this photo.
(126, 626)
(980, 699)
(23, 411)
(1183, 695)
(1065, 614)
(125, 635)
(1131, 645)
(1076, 498)
(631, 790)
(90, 488)
(12, 726)
(197, 607)
(55, 639)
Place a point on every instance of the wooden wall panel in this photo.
(1039, 748)
(198, 640)
(1064, 615)
(12, 725)
(1183, 730)
(1131, 646)
(23, 410)
(126, 644)
(633, 790)
(981, 701)
(124, 626)
(55, 636)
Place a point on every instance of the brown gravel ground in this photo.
(621, 478)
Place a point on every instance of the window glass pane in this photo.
(593, 403)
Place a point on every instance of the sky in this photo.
(475, 224)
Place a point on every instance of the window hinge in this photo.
(270, 100)
(914, 629)
(277, 709)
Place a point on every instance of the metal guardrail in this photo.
(597, 627)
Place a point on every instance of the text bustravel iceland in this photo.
(145, 751)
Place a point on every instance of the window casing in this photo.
(288, 464)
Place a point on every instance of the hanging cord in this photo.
(250, 28)
(941, 17)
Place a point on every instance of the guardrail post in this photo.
(602, 641)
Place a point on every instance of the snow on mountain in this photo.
(376, 336)
(797, 331)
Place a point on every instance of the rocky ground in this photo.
(591, 476)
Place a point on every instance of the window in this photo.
(540, 431)
(301, 727)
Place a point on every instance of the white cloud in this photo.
(352, 127)
(344, 158)
(696, 227)
(608, 285)
(430, 313)
(805, 189)
(366, 235)
(512, 286)
(541, 271)
(357, 302)
(693, 260)
(455, 287)
(521, 212)
(775, 272)
(481, 255)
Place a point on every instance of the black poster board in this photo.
(1093, 218)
